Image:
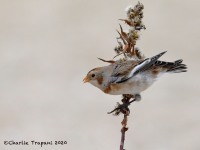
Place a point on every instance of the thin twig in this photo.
(123, 108)
(123, 131)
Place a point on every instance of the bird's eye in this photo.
(93, 75)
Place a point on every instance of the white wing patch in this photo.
(139, 67)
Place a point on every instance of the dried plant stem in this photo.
(123, 131)
(123, 109)
(127, 40)
(127, 46)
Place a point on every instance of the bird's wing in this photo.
(122, 68)
(137, 68)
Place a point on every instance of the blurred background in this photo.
(48, 46)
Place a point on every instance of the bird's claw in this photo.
(137, 97)
(123, 108)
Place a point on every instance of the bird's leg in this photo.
(123, 108)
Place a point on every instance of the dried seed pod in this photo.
(134, 20)
(132, 15)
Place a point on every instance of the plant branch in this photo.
(126, 45)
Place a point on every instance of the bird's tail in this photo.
(177, 67)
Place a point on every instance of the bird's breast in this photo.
(132, 86)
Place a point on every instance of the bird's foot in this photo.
(137, 97)
(123, 108)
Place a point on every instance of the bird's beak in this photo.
(86, 79)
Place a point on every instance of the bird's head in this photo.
(94, 77)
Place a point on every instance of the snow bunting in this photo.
(131, 76)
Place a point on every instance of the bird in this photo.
(132, 76)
